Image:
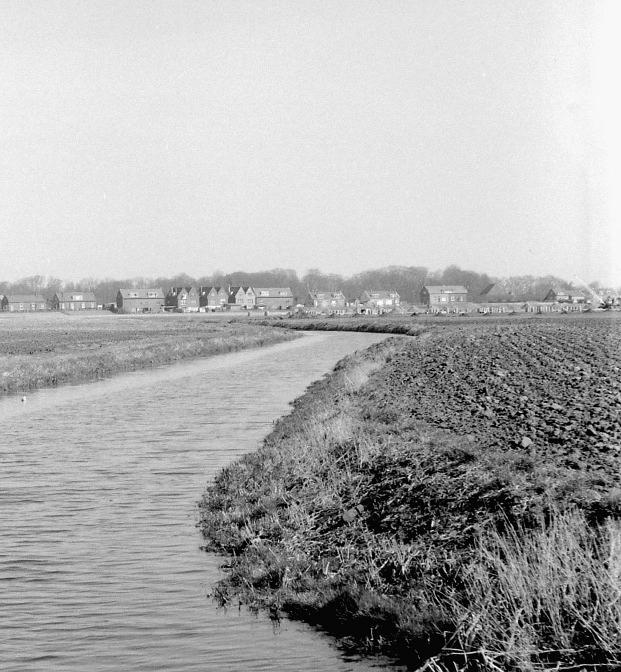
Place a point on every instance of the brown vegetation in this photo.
(48, 349)
(377, 325)
(451, 499)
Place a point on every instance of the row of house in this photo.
(370, 302)
(204, 299)
(441, 299)
(212, 299)
(153, 300)
(195, 299)
(454, 299)
(69, 301)
(246, 298)
(450, 299)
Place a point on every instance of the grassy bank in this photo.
(451, 500)
(378, 325)
(43, 350)
(414, 325)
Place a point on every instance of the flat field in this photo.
(48, 349)
(451, 498)
(549, 388)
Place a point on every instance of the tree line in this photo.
(407, 280)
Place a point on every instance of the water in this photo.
(100, 567)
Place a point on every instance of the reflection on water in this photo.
(100, 567)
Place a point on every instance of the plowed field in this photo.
(547, 388)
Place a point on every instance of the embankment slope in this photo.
(451, 498)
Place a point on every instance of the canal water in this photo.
(100, 566)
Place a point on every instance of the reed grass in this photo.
(405, 325)
(547, 597)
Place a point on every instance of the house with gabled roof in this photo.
(443, 297)
(213, 298)
(182, 299)
(564, 296)
(241, 298)
(149, 300)
(251, 297)
(74, 300)
(377, 301)
(207, 298)
(273, 298)
(326, 302)
(23, 303)
(557, 294)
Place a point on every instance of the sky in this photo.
(149, 138)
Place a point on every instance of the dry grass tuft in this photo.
(543, 598)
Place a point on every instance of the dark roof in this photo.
(25, 298)
(178, 290)
(70, 296)
(207, 289)
(142, 293)
(381, 293)
(438, 289)
(273, 292)
(327, 296)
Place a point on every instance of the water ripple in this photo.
(100, 567)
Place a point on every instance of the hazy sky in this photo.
(151, 138)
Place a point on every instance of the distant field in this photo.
(415, 324)
(47, 349)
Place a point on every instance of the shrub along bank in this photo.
(378, 325)
(438, 522)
